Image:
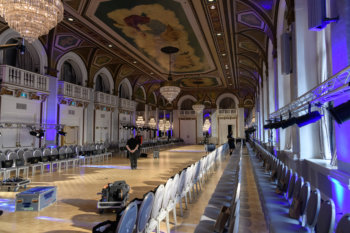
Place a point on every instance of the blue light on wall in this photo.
(24, 95)
(342, 140)
(340, 196)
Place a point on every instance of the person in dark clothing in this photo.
(231, 142)
(132, 145)
(138, 137)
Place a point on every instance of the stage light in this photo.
(276, 124)
(37, 133)
(289, 122)
(268, 125)
(341, 113)
(60, 132)
(308, 118)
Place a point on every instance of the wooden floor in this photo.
(75, 210)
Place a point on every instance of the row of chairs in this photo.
(289, 202)
(24, 159)
(152, 146)
(156, 206)
(222, 211)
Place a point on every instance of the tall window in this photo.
(187, 104)
(123, 91)
(102, 84)
(227, 103)
(13, 57)
(69, 74)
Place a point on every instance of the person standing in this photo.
(231, 142)
(132, 146)
(139, 141)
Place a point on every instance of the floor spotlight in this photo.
(341, 113)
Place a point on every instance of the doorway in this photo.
(71, 137)
(226, 126)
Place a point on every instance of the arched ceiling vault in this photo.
(223, 43)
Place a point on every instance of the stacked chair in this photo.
(20, 161)
(289, 202)
(158, 204)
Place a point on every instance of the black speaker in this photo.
(341, 113)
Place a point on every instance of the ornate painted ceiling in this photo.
(223, 43)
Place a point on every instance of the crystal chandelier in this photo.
(199, 106)
(32, 18)
(167, 125)
(140, 122)
(161, 125)
(152, 123)
(206, 125)
(169, 89)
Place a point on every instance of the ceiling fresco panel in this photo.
(198, 82)
(146, 26)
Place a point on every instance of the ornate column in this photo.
(199, 134)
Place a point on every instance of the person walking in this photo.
(132, 145)
(231, 142)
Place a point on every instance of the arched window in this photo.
(25, 61)
(187, 104)
(102, 84)
(123, 91)
(227, 103)
(69, 73)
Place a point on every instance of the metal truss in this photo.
(333, 88)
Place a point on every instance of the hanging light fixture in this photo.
(152, 123)
(167, 125)
(199, 106)
(161, 125)
(140, 122)
(169, 89)
(206, 125)
(33, 18)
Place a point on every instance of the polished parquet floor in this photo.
(75, 210)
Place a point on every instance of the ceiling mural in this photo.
(102, 60)
(126, 70)
(65, 42)
(198, 82)
(149, 26)
(248, 45)
(126, 37)
(251, 19)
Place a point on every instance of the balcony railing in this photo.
(23, 78)
(107, 99)
(73, 91)
(228, 112)
(187, 113)
(127, 104)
